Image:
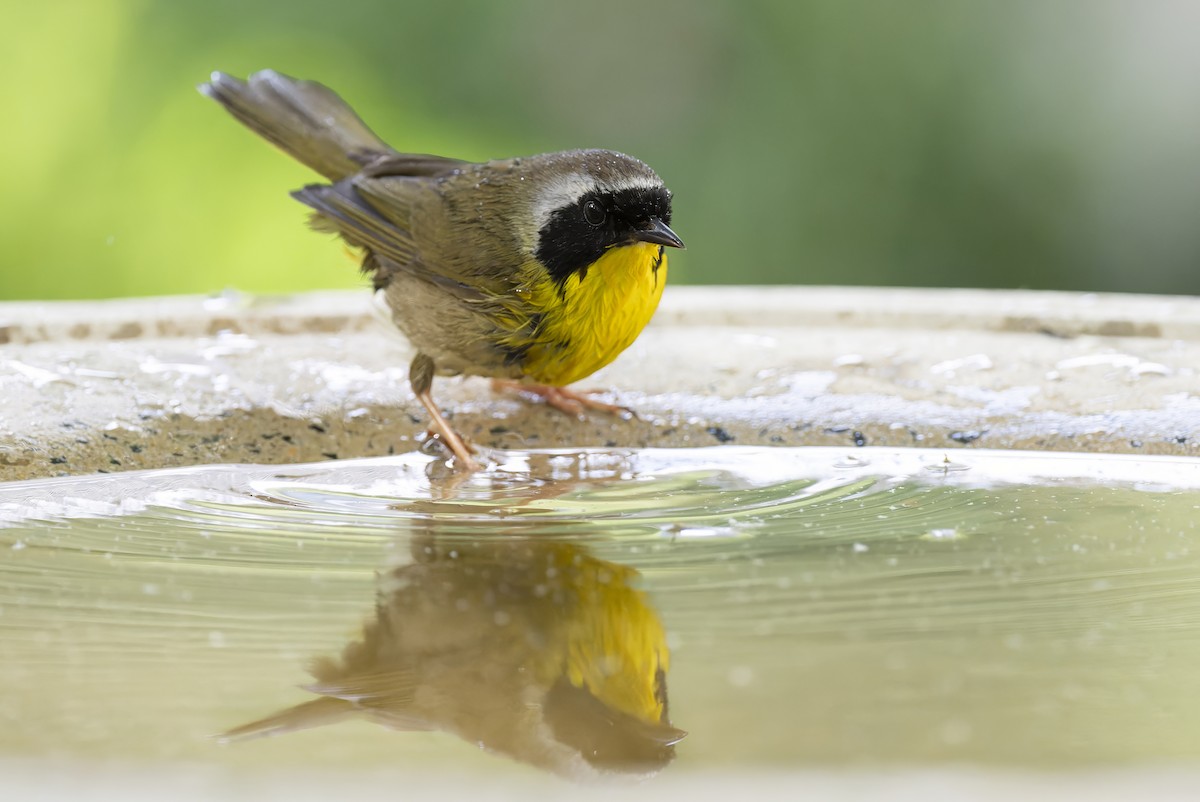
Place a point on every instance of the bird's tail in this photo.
(325, 710)
(304, 118)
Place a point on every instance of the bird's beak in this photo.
(659, 233)
(669, 736)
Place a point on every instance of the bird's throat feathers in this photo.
(595, 313)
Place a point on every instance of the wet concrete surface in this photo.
(147, 383)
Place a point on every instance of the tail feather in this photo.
(326, 710)
(304, 118)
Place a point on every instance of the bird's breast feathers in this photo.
(594, 315)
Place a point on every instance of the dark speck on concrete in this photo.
(1135, 443)
(316, 427)
(968, 436)
(329, 454)
(58, 460)
(719, 433)
(135, 448)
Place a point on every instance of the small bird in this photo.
(533, 271)
(522, 645)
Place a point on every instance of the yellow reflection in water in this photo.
(528, 647)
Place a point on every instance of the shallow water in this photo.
(821, 608)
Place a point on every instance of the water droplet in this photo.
(741, 676)
(943, 534)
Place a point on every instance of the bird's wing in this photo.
(340, 208)
(418, 165)
(405, 224)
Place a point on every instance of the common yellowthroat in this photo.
(521, 645)
(537, 270)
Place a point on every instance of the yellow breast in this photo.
(595, 316)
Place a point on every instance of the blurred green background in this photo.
(1023, 143)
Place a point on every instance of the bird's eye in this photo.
(594, 213)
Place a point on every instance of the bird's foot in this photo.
(572, 402)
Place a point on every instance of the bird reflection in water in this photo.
(527, 646)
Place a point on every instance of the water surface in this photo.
(792, 607)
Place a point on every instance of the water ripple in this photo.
(804, 592)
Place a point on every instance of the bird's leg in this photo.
(572, 402)
(420, 376)
(441, 427)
